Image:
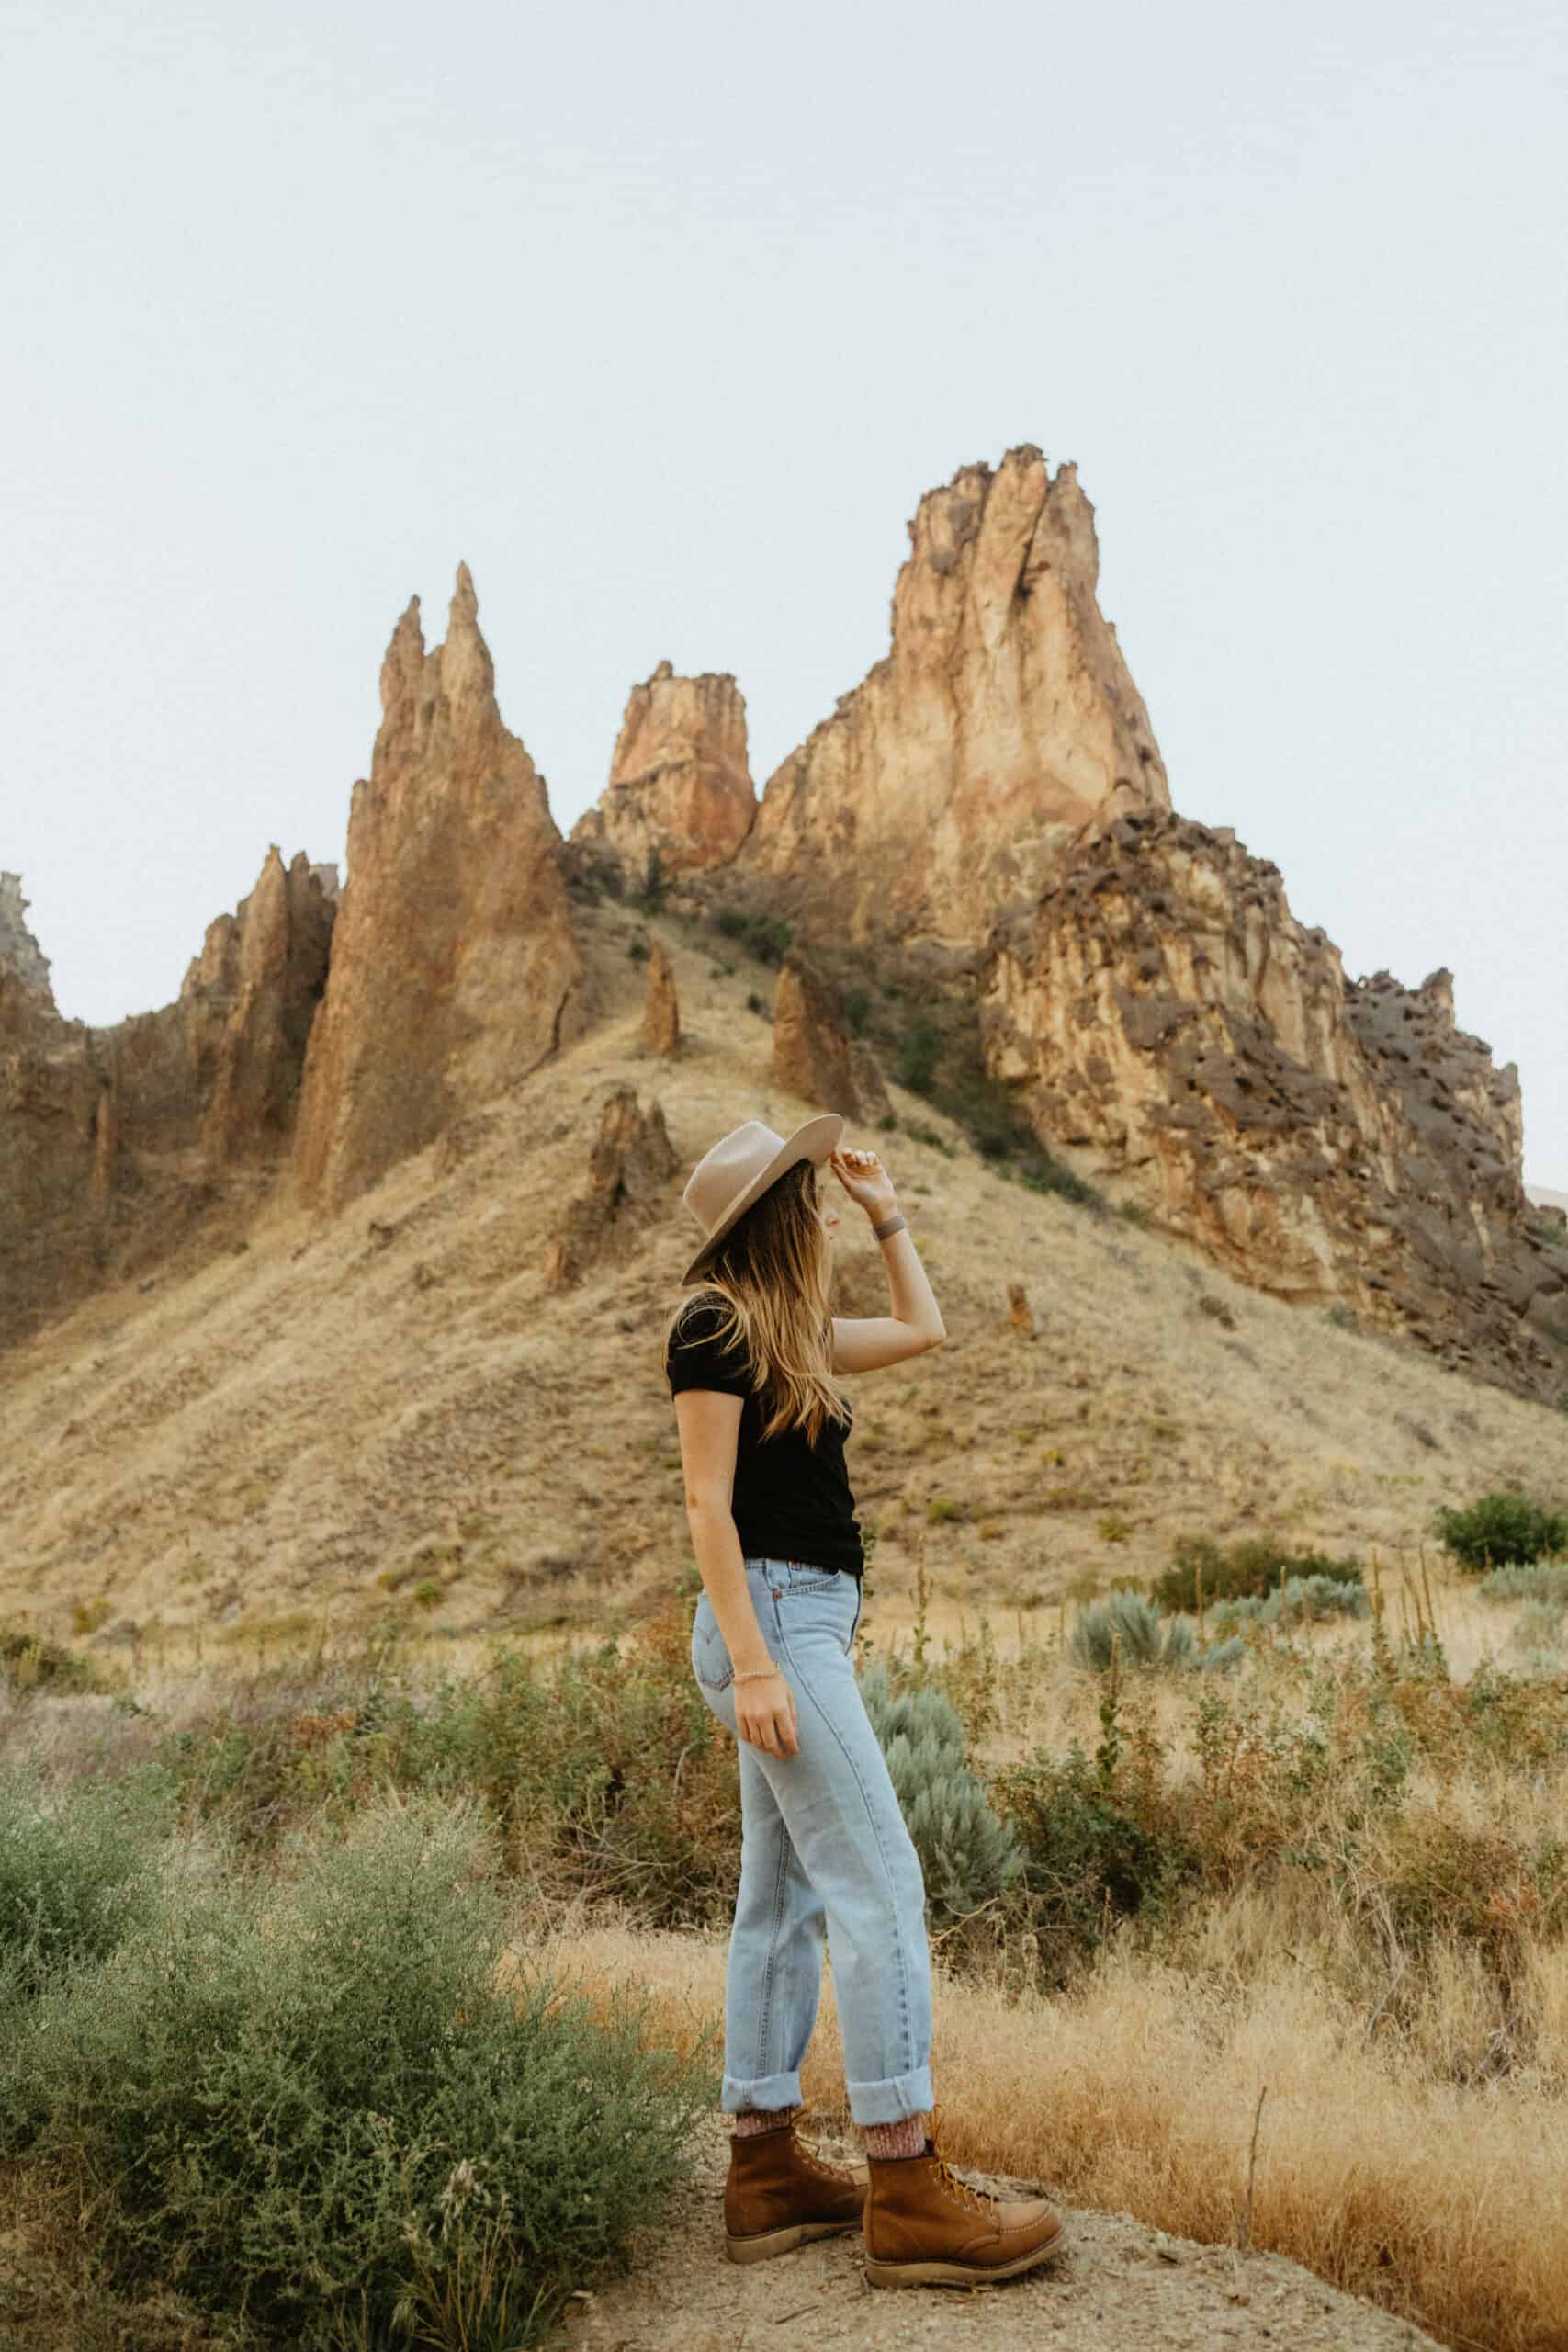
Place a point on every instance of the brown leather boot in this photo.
(924, 2227)
(778, 2194)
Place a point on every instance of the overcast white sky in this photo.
(663, 316)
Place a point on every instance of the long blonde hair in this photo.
(771, 1270)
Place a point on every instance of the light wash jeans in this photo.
(822, 1840)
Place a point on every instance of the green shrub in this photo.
(1091, 1856)
(649, 898)
(1537, 1580)
(1249, 1569)
(1313, 1597)
(918, 1056)
(28, 1662)
(1500, 1528)
(1128, 1625)
(78, 1872)
(967, 1853)
(767, 937)
(317, 2104)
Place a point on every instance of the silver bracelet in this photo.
(755, 1674)
(895, 1224)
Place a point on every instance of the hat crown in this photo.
(727, 1169)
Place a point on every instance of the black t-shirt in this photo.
(791, 1501)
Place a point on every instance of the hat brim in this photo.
(814, 1141)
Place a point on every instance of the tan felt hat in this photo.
(741, 1167)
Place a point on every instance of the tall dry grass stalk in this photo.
(1440, 2199)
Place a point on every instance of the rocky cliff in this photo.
(1161, 1009)
(247, 1002)
(680, 787)
(20, 954)
(110, 1139)
(942, 789)
(454, 969)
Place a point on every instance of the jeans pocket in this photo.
(710, 1652)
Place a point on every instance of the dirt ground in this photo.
(1119, 2285)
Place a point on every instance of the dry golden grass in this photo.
(1140, 2091)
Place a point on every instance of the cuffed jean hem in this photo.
(891, 2101)
(765, 2092)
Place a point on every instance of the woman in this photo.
(752, 1363)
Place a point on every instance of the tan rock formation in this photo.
(1162, 1010)
(943, 789)
(629, 1170)
(54, 1167)
(110, 1138)
(680, 787)
(811, 1056)
(248, 1000)
(19, 952)
(455, 970)
(661, 1011)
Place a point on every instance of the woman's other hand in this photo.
(765, 1715)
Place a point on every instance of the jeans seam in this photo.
(880, 1848)
(771, 1963)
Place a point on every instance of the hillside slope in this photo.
(391, 1410)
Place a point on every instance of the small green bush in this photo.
(78, 1872)
(318, 2103)
(1249, 1569)
(29, 1662)
(1090, 1858)
(767, 937)
(1298, 1597)
(967, 1853)
(1501, 1528)
(1538, 1581)
(1129, 1625)
(918, 1056)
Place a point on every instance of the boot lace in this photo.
(808, 2155)
(970, 2195)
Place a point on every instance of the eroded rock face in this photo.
(55, 1170)
(679, 787)
(19, 952)
(110, 1139)
(454, 969)
(629, 1170)
(943, 789)
(661, 1011)
(1162, 1009)
(248, 1000)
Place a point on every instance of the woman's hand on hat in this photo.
(865, 1180)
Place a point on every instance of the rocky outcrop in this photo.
(454, 969)
(19, 953)
(943, 789)
(660, 1031)
(110, 1139)
(813, 1055)
(1161, 1009)
(56, 1170)
(629, 1170)
(248, 1000)
(680, 799)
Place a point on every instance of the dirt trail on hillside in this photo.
(1119, 2287)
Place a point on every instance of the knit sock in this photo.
(905, 2139)
(765, 2119)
